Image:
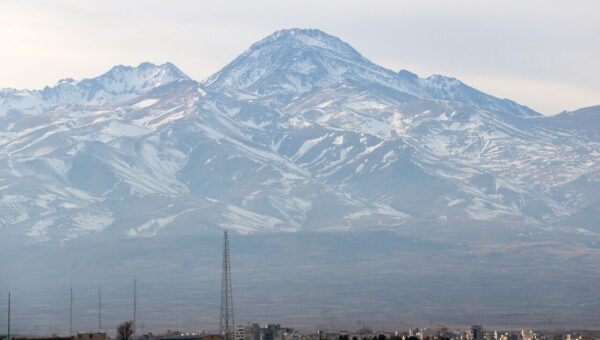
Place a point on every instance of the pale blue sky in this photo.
(544, 54)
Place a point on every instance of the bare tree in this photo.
(125, 330)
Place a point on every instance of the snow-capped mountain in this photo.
(118, 84)
(294, 61)
(300, 132)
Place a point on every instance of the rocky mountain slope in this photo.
(300, 132)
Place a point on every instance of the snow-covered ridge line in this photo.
(295, 61)
(118, 84)
(319, 140)
(314, 58)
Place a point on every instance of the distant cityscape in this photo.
(279, 332)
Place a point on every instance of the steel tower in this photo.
(227, 322)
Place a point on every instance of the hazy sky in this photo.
(544, 54)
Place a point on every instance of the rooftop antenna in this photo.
(8, 332)
(134, 303)
(227, 323)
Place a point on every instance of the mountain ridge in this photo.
(342, 150)
(297, 61)
(117, 84)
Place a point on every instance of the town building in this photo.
(91, 336)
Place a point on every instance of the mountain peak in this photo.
(293, 61)
(306, 38)
(117, 84)
(146, 72)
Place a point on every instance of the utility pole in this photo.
(134, 303)
(227, 323)
(8, 331)
(99, 310)
(71, 313)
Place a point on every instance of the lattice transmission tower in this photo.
(227, 322)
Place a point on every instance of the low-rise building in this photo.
(91, 336)
(192, 337)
